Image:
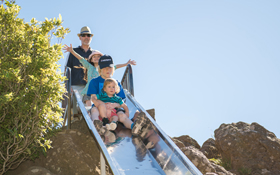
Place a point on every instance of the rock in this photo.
(178, 143)
(202, 163)
(221, 170)
(249, 148)
(73, 153)
(198, 159)
(188, 141)
(209, 149)
(152, 113)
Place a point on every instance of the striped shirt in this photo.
(105, 98)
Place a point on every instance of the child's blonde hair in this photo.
(111, 80)
(99, 70)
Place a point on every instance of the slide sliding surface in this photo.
(152, 152)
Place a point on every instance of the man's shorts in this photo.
(113, 113)
(79, 88)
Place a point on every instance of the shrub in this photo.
(30, 84)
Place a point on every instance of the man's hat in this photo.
(85, 30)
(105, 61)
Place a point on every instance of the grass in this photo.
(245, 171)
(226, 163)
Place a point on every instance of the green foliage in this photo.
(30, 87)
(245, 171)
(216, 161)
(226, 163)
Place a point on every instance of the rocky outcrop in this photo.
(198, 159)
(248, 148)
(239, 147)
(74, 152)
(202, 163)
(209, 149)
(188, 141)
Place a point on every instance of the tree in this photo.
(30, 84)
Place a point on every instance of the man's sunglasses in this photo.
(83, 35)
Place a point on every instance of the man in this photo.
(77, 74)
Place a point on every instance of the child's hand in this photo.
(111, 106)
(132, 62)
(93, 97)
(67, 48)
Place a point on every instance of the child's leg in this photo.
(94, 113)
(101, 108)
(99, 111)
(88, 103)
(135, 115)
(109, 113)
(114, 119)
(113, 125)
(124, 119)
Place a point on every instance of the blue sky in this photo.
(199, 63)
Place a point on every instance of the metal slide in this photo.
(150, 153)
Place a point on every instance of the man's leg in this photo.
(78, 88)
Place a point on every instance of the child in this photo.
(108, 94)
(90, 66)
(95, 86)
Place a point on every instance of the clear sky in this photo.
(200, 63)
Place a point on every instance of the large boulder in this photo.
(248, 148)
(188, 141)
(198, 159)
(209, 149)
(73, 153)
(221, 170)
(202, 163)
